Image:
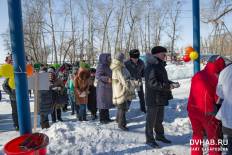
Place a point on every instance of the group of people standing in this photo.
(114, 83)
(110, 84)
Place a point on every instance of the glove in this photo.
(175, 85)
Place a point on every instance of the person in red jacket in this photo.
(201, 108)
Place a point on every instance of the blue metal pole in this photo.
(196, 33)
(17, 45)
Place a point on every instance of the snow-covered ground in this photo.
(74, 137)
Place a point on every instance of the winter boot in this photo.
(162, 139)
(124, 128)
(152, 144)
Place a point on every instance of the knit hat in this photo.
(158, 49)
(51, 69)
(134, 53)
(120, 57)
(92, 70)
(84, 65)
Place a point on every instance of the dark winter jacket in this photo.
(157, 85)
(59, 92)
(104, 88)
(92, 99)
(45, 101)
(8, 90)
(136, 70)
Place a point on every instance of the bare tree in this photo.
(52, 30)
(106, 19)
(120, 17)
(174, 16)
(216, 10)
(33, 29)
(220, 35)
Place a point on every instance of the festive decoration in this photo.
(188, 50)
(7, 70)
(37, 66)
(56, 66)
(30, 70)
(84, 65)
(193, 55)
(186, 58)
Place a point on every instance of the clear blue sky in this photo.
(185, 24)
(3, 27)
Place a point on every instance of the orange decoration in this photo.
(30, 70)
(188, 50)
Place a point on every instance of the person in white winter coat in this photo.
(224, 90)
(123, 89)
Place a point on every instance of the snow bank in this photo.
(179, 71)
(89, 138)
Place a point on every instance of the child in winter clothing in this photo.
(71, 92)
(92, 97)
(122, 89)
(81, 91)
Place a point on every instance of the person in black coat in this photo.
(92, 97)
(158, 92)
(45, 104)
(136, 68)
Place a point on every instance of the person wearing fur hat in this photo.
(158, 92)
(81, 91)
(136, 68)
(122, 89)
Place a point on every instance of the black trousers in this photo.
(121, 114)
(141, 99)
(104, 114)
(14, 112)
(229, 146)
(44, 121)
(56, 114)
(154, 120)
